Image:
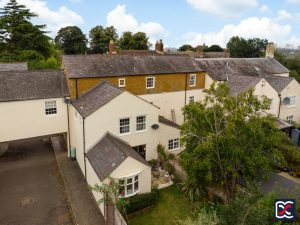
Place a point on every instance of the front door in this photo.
(141, 149)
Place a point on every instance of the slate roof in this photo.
(95, 98)
(278, 82)
(14, 66)
(85, 66)
(109, 153)
(238, 84)
(217, 68)
(29, 85)
(165, 121)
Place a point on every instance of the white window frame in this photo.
(150, 87)
(122, 126)
(51, 108)
(124, 82)
(173, 144)
(292, 101)
(192, 80)
(144, 123)
(191, 99)
(126, 182)
(290, 119)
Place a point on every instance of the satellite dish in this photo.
(286, 101)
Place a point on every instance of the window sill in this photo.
(140, 131)
(291, 106)
(52, 115)
(150, 87)
(124, 134)
(172, 150)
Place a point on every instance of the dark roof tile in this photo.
(30, 85)
(84, 66)
(109, 153)
(95, 98)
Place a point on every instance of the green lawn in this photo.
(173, 205)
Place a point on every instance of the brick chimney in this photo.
(200, 51)
(226, 53)
(159, 46)
(112, 48)
(270, 49)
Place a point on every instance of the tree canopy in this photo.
(100, 37)
(134, 41)
(19, 38)
(186, 47)
(71, 40)
(227, 139)
(214, 48)
(242, 48)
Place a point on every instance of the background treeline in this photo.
(21, 40)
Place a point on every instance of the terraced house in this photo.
(169, 82)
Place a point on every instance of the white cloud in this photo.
(283, 15)
(225, 8)
(54, 19)
(264, 8)
(249, 28)
(293, 1)
(124, 21)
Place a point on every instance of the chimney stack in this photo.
(270, 50)
(159, 46)
(112, 48)
(200, 51)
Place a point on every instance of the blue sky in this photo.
(178, 21)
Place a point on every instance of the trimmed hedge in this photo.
(141, 201)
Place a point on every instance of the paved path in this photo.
(31, 189)
(283, 183)
(83, 204)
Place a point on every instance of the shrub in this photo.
(141, 201)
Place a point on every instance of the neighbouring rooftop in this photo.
(14, 66)
(88, 66)
(30, 85)
(257, 67)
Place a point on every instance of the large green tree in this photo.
(214, 48)
(100, 37)
(242, 48)
(137, 41)
(18, 34)
(228, 138)
(71, 40)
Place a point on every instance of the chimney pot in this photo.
(159, 46)
(270, 49)
(112, 47)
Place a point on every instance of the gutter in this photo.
(69, 138)
(279, 108)
(84, 154)
(76, 83)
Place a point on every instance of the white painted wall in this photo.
(128, 168)
(167, 133)
(107, 119)
(172, 100)
(27, 119)
(263, 88)
(92, 179)
(76, 135)
(293, 89)
(132, 167)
